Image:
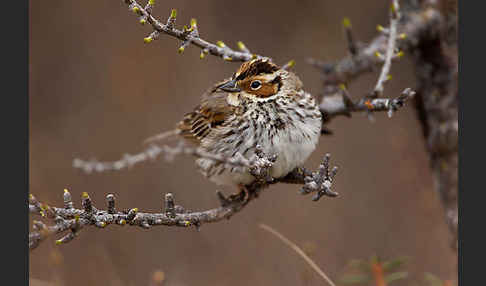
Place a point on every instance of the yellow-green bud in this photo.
(147, 40)
(135, 9)
(193, 22)
(58, 242)
(241, 46)
(290, 64)
(143, 21)
(173, 13)
(151, 2)
(84, 195)
(220, 44)
(181, 50)
(346, 23)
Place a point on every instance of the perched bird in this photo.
(261, 104)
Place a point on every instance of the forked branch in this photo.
(188, 35)
(336, 100)
(69, 220)
(428, 32)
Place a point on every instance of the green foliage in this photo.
(360, 264)
(375, 270)
(355, 278)
(395, 263)
(433, 280)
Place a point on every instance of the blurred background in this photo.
(97, 91)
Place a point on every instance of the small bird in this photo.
(260, 105)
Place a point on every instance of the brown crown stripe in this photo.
(255, 68)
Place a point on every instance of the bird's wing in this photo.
(206, 118)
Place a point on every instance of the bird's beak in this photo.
(230, 86)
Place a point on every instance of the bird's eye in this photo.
(256, 84)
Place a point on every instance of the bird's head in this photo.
(258, 78)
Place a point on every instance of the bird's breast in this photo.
(287, 128)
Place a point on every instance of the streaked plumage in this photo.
(261, 104)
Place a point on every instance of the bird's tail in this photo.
(171, 134)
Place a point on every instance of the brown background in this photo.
(96, 90)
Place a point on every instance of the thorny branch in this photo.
(69, 220)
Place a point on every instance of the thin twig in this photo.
(336, 100)
(352, 47)
(153, 151)
(189, 35)
(409, 33)
(299, 251)
(390, 50)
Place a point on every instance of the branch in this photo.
(188, 35)
(370, 56)
(238, 162)
(427, 32)
(69, 220)
(72, 220)
(389, 45)
(340, 103)
(390, 49)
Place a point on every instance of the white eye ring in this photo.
(256, 84)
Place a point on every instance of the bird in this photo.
(262, 105)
